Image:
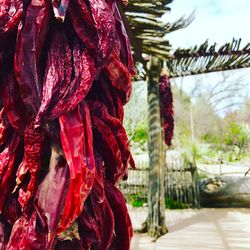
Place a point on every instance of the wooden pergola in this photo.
(147, 33)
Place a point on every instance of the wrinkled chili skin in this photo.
(119, 76)
(77, 89)
(58, 74)
(51, 194)
(125, 48)
(76, 137)
(31, 164)
(4, 126)
(111, 133)
(83, 25)
(123, 225)
(30, 41)
(13, 104)
(8, 165)
(102, 14)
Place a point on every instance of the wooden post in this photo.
(156, 196)
(195, 181)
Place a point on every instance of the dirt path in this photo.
(204, 229)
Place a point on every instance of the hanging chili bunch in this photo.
(167, 110)
(65, 74)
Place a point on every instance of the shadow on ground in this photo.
(191, 229)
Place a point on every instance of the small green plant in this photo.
(136, 200)
(202, 176)
(140, 133)
(238, 135)
(172, 204)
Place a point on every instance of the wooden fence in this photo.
(181, 180)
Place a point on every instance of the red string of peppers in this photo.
(65, 74)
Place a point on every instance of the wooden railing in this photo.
(181, 180)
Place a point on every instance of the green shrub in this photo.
(172, 204)
(136, 200)
(140, 134)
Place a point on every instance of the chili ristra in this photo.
(167, 109)
(65, 74)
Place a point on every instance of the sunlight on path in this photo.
(204, 229)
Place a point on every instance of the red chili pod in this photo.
(30, 42)
(125, 51)
(2, 237)
(110, 150)
(77, 144)
(12, 102)
(104, 219)
(83, 25)
(103, 91)
(73, 93)
(119, 76)
(4, 126)
(32, 160)
(123, 225)
(26, 235)
(8, 165)
(113, 135)
(12, 209)
(51, 194)
(58, 74)
(101, 13)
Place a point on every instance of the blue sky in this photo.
(216, 20)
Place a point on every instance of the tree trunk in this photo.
(156, 197)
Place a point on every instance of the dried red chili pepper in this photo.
(114, 135)
(30, 41)
(2, 237)
(119, 76)
(83, 25)
(110, 150)
(8, 165)
(125, 50)
(12, 209)
(31, 164)
(103, 216)
(50, 198)
(96, 213)
(26, 235)
(88, 228)
(13, 105)
(4, 126)
(103, 91)
(77, 89)
(77, 143)
(123, 225)
(102, 14)
(58, 74)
